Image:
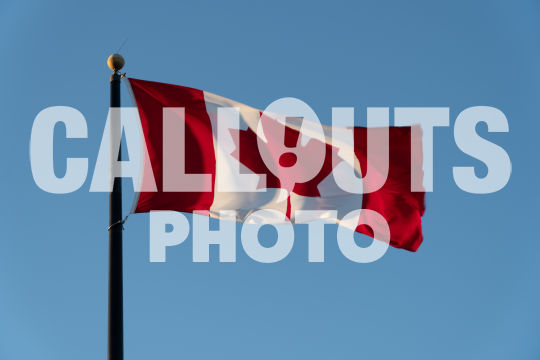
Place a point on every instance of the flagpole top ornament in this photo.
(115, 62)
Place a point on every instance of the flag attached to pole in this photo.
(210, 154)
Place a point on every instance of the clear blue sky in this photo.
(472, 291)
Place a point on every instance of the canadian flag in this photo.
(214, 155)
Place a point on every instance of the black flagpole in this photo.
(115, 341)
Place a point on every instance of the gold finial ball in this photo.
(115, 62)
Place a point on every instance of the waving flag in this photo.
(264, 185)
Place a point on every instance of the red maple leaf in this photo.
(247, 153)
